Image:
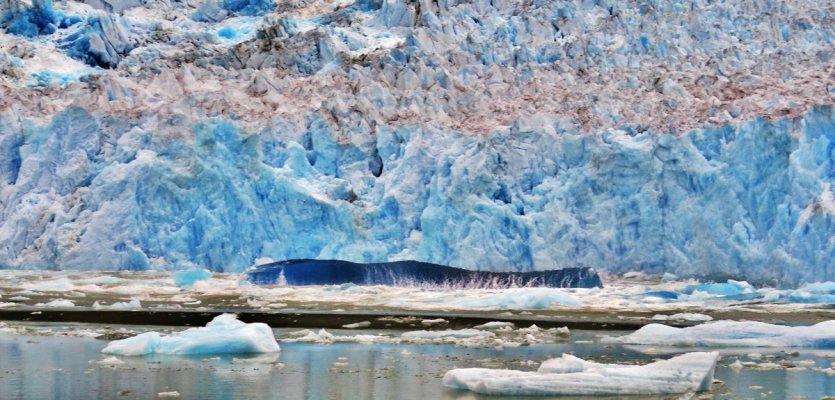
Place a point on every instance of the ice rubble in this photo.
(741, 291)
(570, 375)
(734, 333)
(694, 138)
(492, 336)
(224, 334)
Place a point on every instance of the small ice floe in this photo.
(513, 299)
(495, 325)
(109, 361)
(447, 334)
(60, 303)
(433, 322)
(224, 334)
(357, 325)
(570, 375)
(168, 395)
(123, 305)
(271, 360)
(734, 333)
(693, 317)
(187, 278)
(308, 336)
(325, 337)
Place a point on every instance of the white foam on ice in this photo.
(570, 375)
(734, 333)
(224, 334)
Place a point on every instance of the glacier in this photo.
(496, 136)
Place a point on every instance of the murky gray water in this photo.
(49, 367)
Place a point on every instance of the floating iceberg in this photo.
(224, 334)
(734, 333)
(570, 375)
(413, 273)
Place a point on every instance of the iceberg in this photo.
(224, 334)
(569, 375)
(733, 333)
(413, 273)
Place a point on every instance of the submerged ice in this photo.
(486, 135)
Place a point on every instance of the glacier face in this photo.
(663, 136)
(748, 201)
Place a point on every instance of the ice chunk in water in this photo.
(224, 334)
(570, 375)
(189, 277)
(734, 333)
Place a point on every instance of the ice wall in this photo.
(692, 137)
(751, 201)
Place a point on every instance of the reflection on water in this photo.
(46, 367)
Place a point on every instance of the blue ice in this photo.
(188, 277)
(224, 334)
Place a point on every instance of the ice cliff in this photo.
(691, 137)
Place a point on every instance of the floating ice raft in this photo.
(734, 333)
(224, 334)
(573, 376)
(413, 273)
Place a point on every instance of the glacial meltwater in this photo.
(68, 367)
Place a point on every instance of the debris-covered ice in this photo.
(569, 375)
(224, 334)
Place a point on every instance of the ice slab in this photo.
(570, 375)
(412, 273)
(734, 333)
(224, 334)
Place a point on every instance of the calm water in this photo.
(48, 367)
